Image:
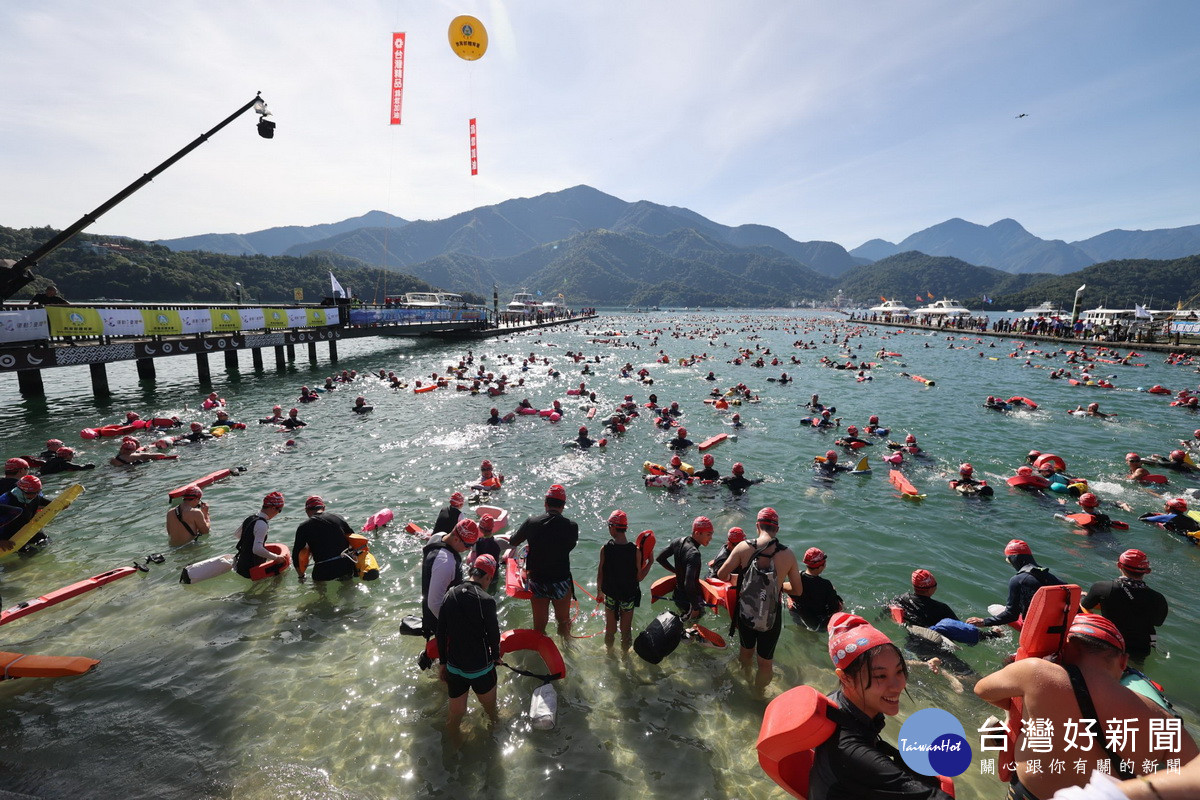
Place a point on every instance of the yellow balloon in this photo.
(468, 38)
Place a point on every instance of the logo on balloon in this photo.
(468, 38)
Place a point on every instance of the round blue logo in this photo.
(76, 318)
(162, 319)
(933, 742)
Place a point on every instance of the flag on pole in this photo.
(920, 299)
(930, 294)
(987, 299)
(1140, 312)
(882, 299)
(338, 291)
(397, 75)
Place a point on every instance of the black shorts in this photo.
(458, 685)
(763, 642)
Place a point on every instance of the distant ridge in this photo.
(276, 241)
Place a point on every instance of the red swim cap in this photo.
(1034, 453)
(467, 530)
(736, 536)
(314, 502)
(831, 455)
(192, 491)
(1132, 458)
(1178, 455)
(130, 416)
(557, 492)
(457, 499)
(1134, 561)
(910, 439)
(293, 411)
(852, 430)
(487, 523)
(966, 469)
(273, 500)
(923, 579)
(708, 460)
(1016, 547)
(196, 426)
(1025, 471)
(874, 420)
(1177, 505)
(485, 464)
(769, 516)
(1094, 626)
(583, 428)
(618, 519)
(676, 461)
(54, 444)
(14, 464)
(65, 452)
(814, 556)
(30, 483)
(682, 432)
(277, 408)
(1089, 500)
(485, 563)
(850, 636)
(702, 525)
(737, 468)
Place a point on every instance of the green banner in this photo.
(74, 321)
(316, 317)
(161, 322)
(225, 320)
(275, 318)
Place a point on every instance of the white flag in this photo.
(338, 291)
(1140, 312)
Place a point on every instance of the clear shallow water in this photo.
(278, 689)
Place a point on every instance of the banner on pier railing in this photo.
(404, 316)
(1187, 328)
(34, 324)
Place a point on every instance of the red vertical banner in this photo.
(474, 150)
(397, 75)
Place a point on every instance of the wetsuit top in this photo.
(738, 483)
(362, 409)
(620, 570)
(682, 556)
(551, 539)
(8, 484)
(253, 537)
(818, 602)
(324, 535)
(441, 570)
(197, 436)
(468, 632)
(447, 518)
(1021, 589)
(827, 467)
(679, 444)
(56, 465)
(707, 474)
(719, 561)
(293, 422)
(487, 545)
(923, 611)
(494, 420)
(583, 442)
(1135, 608)
(272, 420)
(856, 764)
(25, 509)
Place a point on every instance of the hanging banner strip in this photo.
(397, 75)
(474, 150)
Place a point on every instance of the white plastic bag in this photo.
(543, 707)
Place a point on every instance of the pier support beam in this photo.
(231, 360)
(256, 359)
(202, 368)
(29, 381)
(291, 353)
(279, 362)
(99, 380)
(333, 351)
(312, 352)
(145, 369)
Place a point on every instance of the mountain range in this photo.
(593, 247)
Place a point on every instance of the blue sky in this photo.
(839, 121)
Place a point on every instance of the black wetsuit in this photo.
(739, 483)
(494, 420)
(923, 611)
(56, 465)
(816, 604)
(447, 518)
(621, 563)
(1021, 589)
(679, 444)
(856, 764)
(487, 546)
(719, 561)
(682, 556)
(245, 558)
(583, 442)
(325, 535)
(551, 539)
(293, 422)
(1135, 608)
(197, 436)
(707, 474)
(468, 632)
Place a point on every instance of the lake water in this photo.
(281, 689)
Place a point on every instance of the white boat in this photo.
(890, 307)
(523, 303)
(1047, 309)
(947, 308)
(1110, 315)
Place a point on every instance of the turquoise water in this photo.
(281, 689)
